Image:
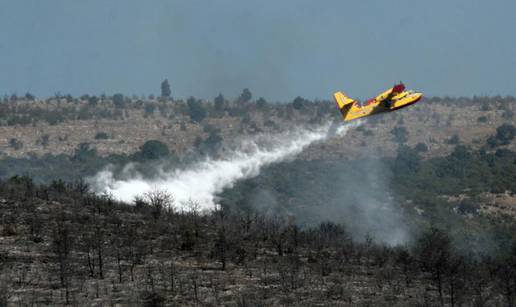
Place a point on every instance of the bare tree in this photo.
(160, 201)
(506, 275)
(62, 241)
(221, 246)
(433, 251)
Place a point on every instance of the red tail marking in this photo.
(398, 88)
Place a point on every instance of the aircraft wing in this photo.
(384, 99)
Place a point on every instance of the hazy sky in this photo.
(278, 49)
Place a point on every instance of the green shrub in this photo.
(507, 114)
(101, 136)
(15, 144)
(153, 150)
(118, 101)
(454, 140)
(149, 108)
(245, 96)
(505, 133)
(421, 147)
(196, 110)
(400, 134)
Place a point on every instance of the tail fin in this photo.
(344, 103)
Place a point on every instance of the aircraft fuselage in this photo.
(393, 99)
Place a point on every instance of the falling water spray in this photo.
(201, 182)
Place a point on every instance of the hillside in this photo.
(55, 126)
(411, 208)
(61, 245)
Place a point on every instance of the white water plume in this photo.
(201, 182)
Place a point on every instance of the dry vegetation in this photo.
(55, 126)
(61, 245)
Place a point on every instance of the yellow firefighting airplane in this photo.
(392, 99)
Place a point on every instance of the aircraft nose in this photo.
(418, 97)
